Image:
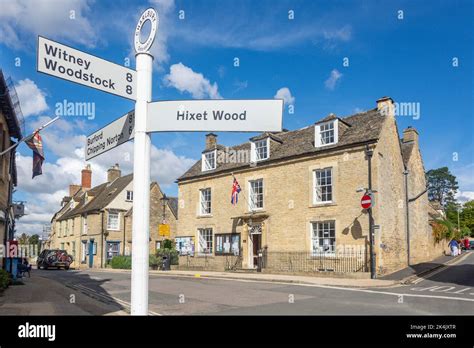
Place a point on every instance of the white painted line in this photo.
(441, 269)
(108, 297)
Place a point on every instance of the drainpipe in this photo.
(369, 153)
(124, 228)
(407, 215)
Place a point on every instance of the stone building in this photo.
(10, 127)
(160, 211)
(299, 204)
(92, 224)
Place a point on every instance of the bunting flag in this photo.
(36, 144)
(235, 192)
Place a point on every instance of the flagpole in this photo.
(29, 136)
(248, 203)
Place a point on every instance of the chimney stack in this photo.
(211, 141)
(73, 189)
(113, 173)
(410, 134)
(386, 106)
(86, 177)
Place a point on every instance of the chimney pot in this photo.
(86, 177)
(114, 173)
(386, 106)
(410, 134)
(211, 141)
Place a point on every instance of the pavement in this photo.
(40, 296)
(448, 290)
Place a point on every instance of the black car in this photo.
(54, 258)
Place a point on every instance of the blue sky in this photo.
(409, 59)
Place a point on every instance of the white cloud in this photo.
(285, 94)
(332, 80)
(23, 20)
(32, 99)
(464, 196)
(338, 34)
(184, 79)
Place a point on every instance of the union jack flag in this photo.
(36, 144)
(235, 192)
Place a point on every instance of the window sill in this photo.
(325, 204)
(209, 256)
(204, 216)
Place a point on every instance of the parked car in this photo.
(471, 244)
(54, 258)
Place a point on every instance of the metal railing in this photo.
(307, 262)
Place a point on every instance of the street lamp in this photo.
(164, 201)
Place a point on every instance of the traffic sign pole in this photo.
(141, 188)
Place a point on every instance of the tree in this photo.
(442, 186)
(24, 239)
(467, 216)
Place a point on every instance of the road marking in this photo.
(108, 297)
(441, 269)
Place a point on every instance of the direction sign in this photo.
(215, 115)
(366, 201)
(112, 135)
(73, 65)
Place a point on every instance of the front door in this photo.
(257, 245)
(91, 253)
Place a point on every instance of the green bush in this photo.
(172, 253)
(154, 261)
(121, 262)
(4, 279)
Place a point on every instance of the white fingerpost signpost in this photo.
(141, 167)
(73, 65)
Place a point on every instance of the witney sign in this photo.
(73, 65)
(215, 115)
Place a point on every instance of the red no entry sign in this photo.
(366, 201)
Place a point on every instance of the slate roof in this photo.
(362, 128)
(102, 195)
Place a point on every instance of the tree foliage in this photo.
(442, 186)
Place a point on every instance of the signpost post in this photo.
(141, 167)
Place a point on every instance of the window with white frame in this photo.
(84, 224)
(113, 249)
(113, 221)
(260, 150)
(322, 186)
(205, 240)
(205, 201)
(209, 160)
(323, 237)
(326, 133)
(256, 194)
(129, 197)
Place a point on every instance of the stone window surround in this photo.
(109, 212)
(311, 177)
(315, 200)
(321, 220)
(250, 208)
(200, 208)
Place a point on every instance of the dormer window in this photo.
(326, 133)
(260, 150)
(209, 160)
